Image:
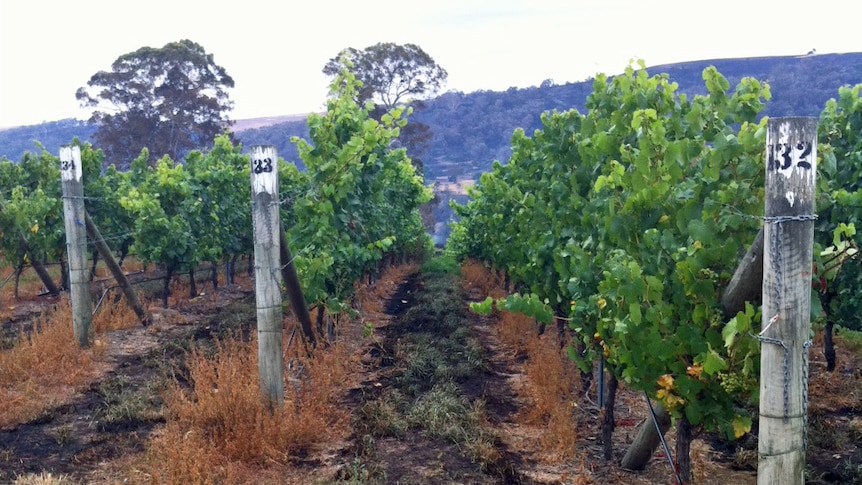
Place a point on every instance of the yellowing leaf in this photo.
(741, 425)
(35, 228)
(665, 382)
(694, 371)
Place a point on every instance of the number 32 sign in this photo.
(781, 156)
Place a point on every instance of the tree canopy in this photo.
(170, 100)
(391, 74)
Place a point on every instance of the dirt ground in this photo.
(84, 439)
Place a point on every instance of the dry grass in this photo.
(517, 331)
(551, 383)
(551, 377)
(478, 276)
(115, 314)
(220, 430)
(43, 479)
(43, 369)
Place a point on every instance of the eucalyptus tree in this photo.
(392, 75)
(169, 100)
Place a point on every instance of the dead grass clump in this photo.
(516, 330)
(114, 314)
(43, 368)
(485, 280)
(43, 479)
(132, 265)
(552, 380)
(179, 291)
(220, 428)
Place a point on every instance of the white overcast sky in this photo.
(275, 50)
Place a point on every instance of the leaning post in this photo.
(71, 177)
(267, 272)
(791, 168)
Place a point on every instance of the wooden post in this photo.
(71, 177)
(747, 282)
(267, 272)
(102, 247)
(791, 168)
(294, 292)
(647, 440)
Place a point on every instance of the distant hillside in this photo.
(15, 141)
(254, 123)
(471, 130)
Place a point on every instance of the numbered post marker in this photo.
(263, 169)
(70, 163)
(793, 148)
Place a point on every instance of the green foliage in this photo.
(31, 208)
(630, 219)
(358, 199)
(166, 213)
(183, 215)
(221, 180)
(838, 268)
(441, 264)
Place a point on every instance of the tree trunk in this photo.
(683, 448)
(829, 346)
(95, 262)
(193, 287)
(65, 284)
(18, 271)
(230, 269)
(647, 440)
(586, 376)
(166, 289)
(608, 418)
(214, 275)
(320, 324)
(250, 269)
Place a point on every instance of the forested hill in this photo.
(475, 128)
(470, 130)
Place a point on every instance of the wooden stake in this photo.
(791, 168)
(267, 272)
(294, 292)
(76, 242)
(747, 282)
(102, 247)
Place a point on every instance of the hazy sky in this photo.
(275, 50)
